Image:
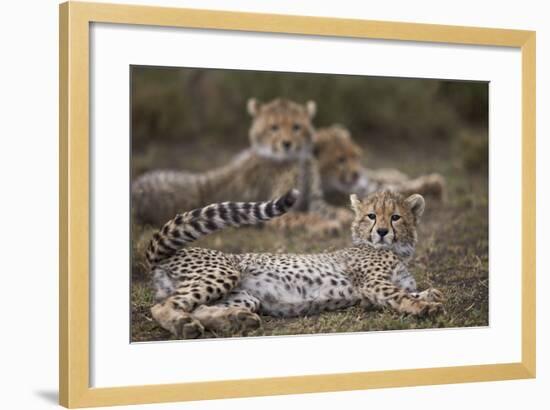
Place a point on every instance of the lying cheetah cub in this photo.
(201, 288)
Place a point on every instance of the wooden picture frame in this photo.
(75, 19)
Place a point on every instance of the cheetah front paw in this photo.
(431, 295)
(244, 319)
(188, 328)
(417, 307)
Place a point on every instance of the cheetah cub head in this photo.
(387, 220)
(339, 159)
(282, 129)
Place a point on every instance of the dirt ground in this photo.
(452, 251)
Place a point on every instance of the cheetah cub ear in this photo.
(355, 203)
(311, 107)
(416, 204)
(253, 107)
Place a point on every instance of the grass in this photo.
(452, 254)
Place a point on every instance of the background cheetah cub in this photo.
(279, 158)
(342, 172)
(201, 288)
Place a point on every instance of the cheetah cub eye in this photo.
(371, 216)
(395, 217)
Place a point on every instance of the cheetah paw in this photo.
(431, 309)
(188, 328)
(243, 319)
(431, 295)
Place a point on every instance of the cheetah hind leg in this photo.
(386, 294)
(172, 317)
(234, 314)
(431, 184)
(175, 313)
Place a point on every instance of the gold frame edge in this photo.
(74, 349)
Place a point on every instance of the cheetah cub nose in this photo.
(382, 232)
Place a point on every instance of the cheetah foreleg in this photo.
(429, 295)
(384, 293)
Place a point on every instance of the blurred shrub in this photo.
(208, 104)
(470, 100)
(474, 147)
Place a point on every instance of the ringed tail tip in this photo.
(290, 198)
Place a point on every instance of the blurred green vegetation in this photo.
(209, 105)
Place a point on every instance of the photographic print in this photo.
(304, 202)
(274, 203)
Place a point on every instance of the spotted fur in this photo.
(201, 288)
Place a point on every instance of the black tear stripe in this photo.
(190, 226)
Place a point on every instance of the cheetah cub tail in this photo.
(190, 226)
